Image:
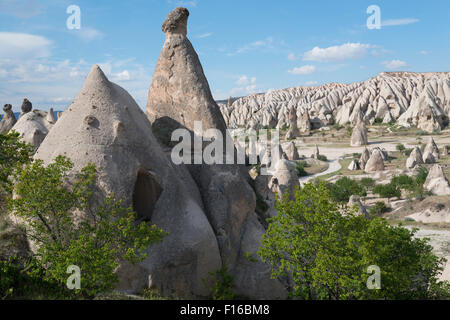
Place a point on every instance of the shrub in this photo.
(321, 157)
(222, 284)
(327, 251)
(403, 181)
(367, 182)
(344, 188)
(300, 168)
(378, 120)
(400, 147)
(378, 209)
(389, 190)
(95, 242)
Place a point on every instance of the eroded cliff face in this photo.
(410, 99)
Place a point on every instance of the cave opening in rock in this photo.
(146, 193)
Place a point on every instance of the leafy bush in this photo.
(367, 182)
(403, 181)
(400, 147)
(95, 242)
(13, 153)
(321, 157)
(328, 253)
(344, 188)
(300, 168)
(389, 190)
(223, 284)
(378, 209)
(378, 120)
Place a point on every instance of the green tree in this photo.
(327, 250)
(68, 230)
(389, 190)
(300, 168)
(13, 152)
(344, 188)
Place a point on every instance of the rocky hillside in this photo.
(410, 99)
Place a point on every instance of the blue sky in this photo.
(245, 46)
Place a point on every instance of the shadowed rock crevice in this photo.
(146, 193)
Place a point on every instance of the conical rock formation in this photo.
(33, 126)
(437, 182)
(179, 93)
(414, 159)
(359, 135)
(179, 96)
(8, 120)
(106, 127)
(375, 162)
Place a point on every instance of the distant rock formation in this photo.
(304, 124)
(316, 153)
(293, 131)
(414, 159)
(410, 99)
(8, 120)
(291, 151)
(432, 148)
(375, 162)
(437, 182)
(34, 126)
(284, 180)
(365, 156)
(27, 106)
(354, 165)
(361, 209)
(359, 135)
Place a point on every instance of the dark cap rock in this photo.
(176, 22)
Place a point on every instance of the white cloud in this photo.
(394, 64)
(311, 83)
(424, 52)
(247, 85)
(303, 70)
(23, 46)
(88, 34)
(183, 3)
(337, 53)
(267, 43)
(121, 76)
(292, 57)
(398, 22)
(205, 35)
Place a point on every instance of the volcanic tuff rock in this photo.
(291, 151)
(415, 158)
(354, 165)
(356, 201)
(411, 99)
(284, 180)
(375, 162)
(34, 126)
(27, 106)
(8, 120)
(364, 158)
(359, 135)
(293, 131)
(436, 181)
(106, 127)
(432, 148)
(179, 96)
(179, 93)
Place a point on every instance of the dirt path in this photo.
(333, 166)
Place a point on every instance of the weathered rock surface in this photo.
(359, 135)
(34, 126)
(179, 96)
(284, 180)
(414, 159)
(27, 106)
(437, 182)
(106, 127)
(354, 165)
(293, 131)
(291, 151)
(365, 156)
(410, 99)
(356, 201)
(8, 120)
(179, 93)
(375, 162)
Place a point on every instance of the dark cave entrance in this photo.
(146, 193)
